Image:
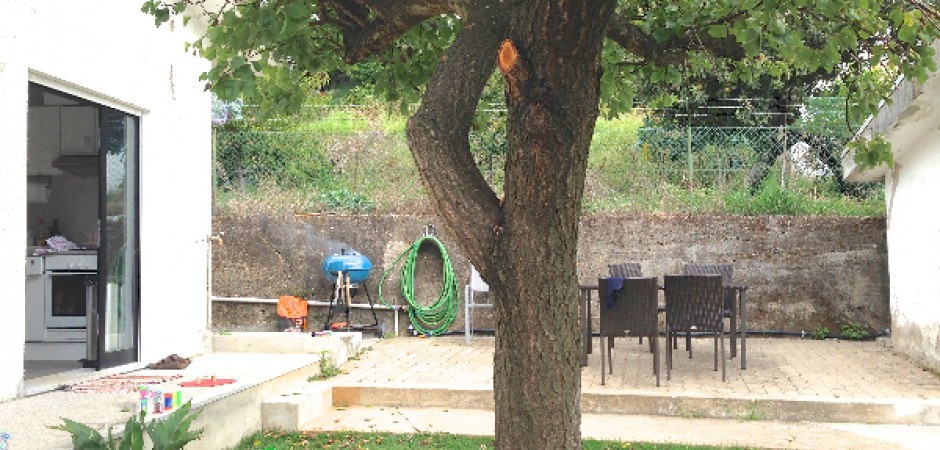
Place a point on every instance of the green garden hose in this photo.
(436, 318)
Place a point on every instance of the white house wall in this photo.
(914, 248)
(13, 100)
(109, 52)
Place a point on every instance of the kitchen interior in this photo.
(63, 232)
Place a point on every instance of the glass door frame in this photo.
(108, 358)
(95, 344)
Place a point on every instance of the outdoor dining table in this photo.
(585, 297)
(586, 326)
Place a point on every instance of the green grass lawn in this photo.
(424, 441)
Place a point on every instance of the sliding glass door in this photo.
(118, 257)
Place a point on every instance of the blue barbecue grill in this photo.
(347, 271)
(356, 266)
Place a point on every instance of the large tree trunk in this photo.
(551, 64)
(526, 245)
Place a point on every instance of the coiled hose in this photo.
(436, 318)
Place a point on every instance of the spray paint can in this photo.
(144, 398)
(157, 401)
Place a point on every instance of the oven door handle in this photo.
(71, 273)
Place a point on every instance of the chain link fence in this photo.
(745, 170)
(354, 165)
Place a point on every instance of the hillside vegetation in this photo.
(343, 159)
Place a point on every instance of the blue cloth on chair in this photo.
(613, 285)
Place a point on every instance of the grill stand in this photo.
(342, 294)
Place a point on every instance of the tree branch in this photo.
(438, 134)
(672, 51)
(392, 18)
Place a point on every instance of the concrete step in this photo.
(307, 400)
(290, 410)
(340, 346)
(862, 411)
(765, 434)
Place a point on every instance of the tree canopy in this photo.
(658, 52)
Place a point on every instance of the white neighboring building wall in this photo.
(914, 249)
(912, 192)
(111, 53)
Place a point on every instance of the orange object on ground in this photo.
(338, 325)
(294, 309)
(207, 382)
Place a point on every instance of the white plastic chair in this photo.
(476, 285)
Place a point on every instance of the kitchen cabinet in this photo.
(42, 139)
(56, 131)
(78, 130)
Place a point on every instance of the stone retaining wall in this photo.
(802, 272)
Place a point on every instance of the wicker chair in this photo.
(694, 304)
(625, 270)
(733, 297)
(628, 307)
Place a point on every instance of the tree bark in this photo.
(526, 245)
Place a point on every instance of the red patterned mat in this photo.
(207, 382)
(120, 383)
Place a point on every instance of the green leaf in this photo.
(777, 26)
(297, 11)
(656, 75)
(161, 16)
(662, 34)
(872, 152)
(237, 62)
(215, 34)
(172, 433)
(719, 31)
(897, 16)
(907, 34)
(133, 436)
(774, 70)
(83, 436)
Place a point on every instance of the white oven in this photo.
(69, 285)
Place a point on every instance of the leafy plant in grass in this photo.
(752, 414)
(169, 433)
(327, 368)
(854, 331)
(801, 196)
(820, 333)
(345, 201)
(771, 199)
(337, 121)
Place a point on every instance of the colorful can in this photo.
(168, 401)
(157, 402)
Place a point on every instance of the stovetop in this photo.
(45, 251)
(71, 252)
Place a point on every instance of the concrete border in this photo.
(897, 412)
